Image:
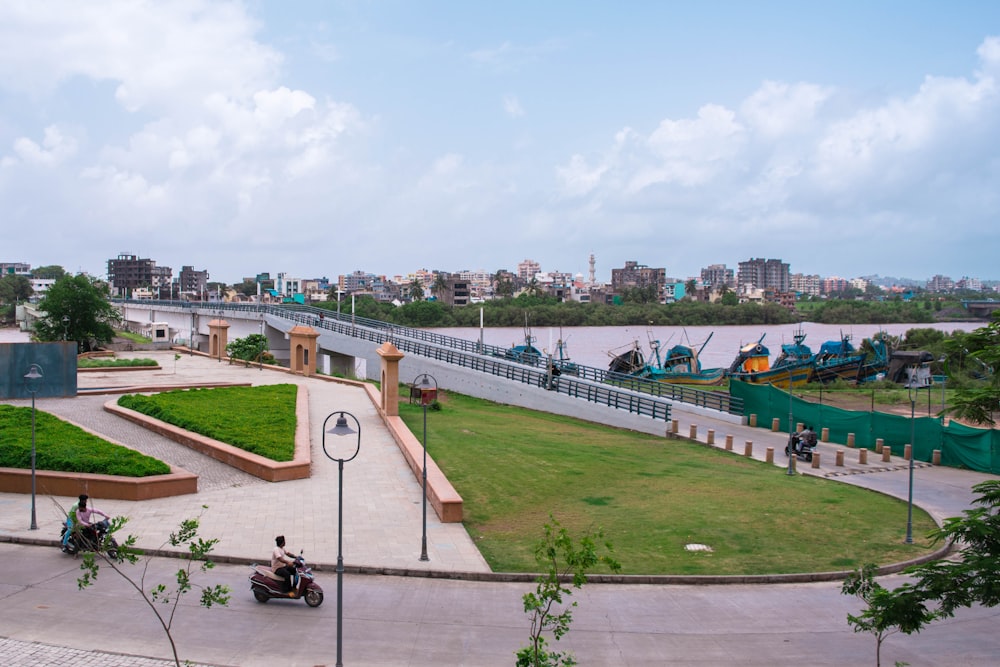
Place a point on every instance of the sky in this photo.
(322, 138)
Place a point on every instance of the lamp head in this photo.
(341, 427)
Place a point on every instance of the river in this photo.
(590, 346)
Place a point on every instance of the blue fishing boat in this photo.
(680, 365)
(753, 364)
(837, 359)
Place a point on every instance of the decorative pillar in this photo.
(390, 356)
(302, 344)
(218, 338)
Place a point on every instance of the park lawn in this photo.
(63, 447)
(260, 420)
(651, 496)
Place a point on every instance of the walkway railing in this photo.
(572, 379)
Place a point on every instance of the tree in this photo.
(52, 272)
(250, 348)
(971, 578)
(77, 307)
(883, 614)
(416, 290)
(440, 285)
(690, 288)
(14, 288)
(564, 561)
(977, 402)
(162, 601)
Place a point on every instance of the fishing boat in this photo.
(526, 353)
(877, 350)
(836, 359)
(680, 364)
(753, 364)
(561, 363)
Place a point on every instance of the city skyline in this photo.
(322, 137)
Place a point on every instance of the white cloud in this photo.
(512, 106)
(55, 148)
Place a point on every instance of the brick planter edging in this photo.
(254, 464)
(440, 493)
(47, 482)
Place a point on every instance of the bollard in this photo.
(850, 440)
(840, 458)
(753, 420)
(748, 449)
(774, 424)
(729, 443)
(907, 451)
(674, 426)
(886, 454)
(769, 455)
(693, 432)
(711, 436)
(815, 461)
(936, 457)
(825, 435)
(878, 445)
(863, 456)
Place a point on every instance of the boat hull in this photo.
(779, 377)
(709, 377)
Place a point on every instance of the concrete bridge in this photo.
(982, 308)
(347, 345)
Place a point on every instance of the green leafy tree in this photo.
(564, 560)
(884, 614)
(162, 599)
(78, 307)
(250, 348)
(52, 272)
(690, 289)
(14, 288)
(978, 401)
(440, 285)
(416, 290)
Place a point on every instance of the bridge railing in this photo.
(351, 325)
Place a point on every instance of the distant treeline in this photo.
(547, 312)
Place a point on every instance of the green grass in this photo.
(652, 496)
(260, 420)
(64, 447)
(113, 363)
(134, 337)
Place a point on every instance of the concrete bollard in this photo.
(748, 449)
(815, 461)
(878, 445)
(675, 427)
(850, 440)
(774, 424)
(936, 457)
(825, 435)
(863, 456)
(753, 420)
(693, 432)
(840, 458)
(710, 438)
(907, 451)
(886, 454)
(769, 455)
(729, 443)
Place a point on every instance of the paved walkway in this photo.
(382, 521)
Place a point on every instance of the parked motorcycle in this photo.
(266, 585)
(90, 538)
(804, 447)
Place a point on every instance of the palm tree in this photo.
(416, 290)
(439, 286)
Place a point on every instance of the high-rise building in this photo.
(527, 270)
(191, 282)
(128, 272)
(717, 275)
(764, 274)
(637, 275)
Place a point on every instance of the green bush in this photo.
(64, 447)
(260, 420)
(113, 363)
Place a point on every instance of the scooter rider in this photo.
(283, 563)
(80, 517)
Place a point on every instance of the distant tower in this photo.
(593, 278)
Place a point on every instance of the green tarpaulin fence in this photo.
(961, 446)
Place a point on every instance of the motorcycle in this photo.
(804, 447)
(266, 585)
(89, 538)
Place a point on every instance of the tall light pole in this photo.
(916, 380)
(65, 321)
(428, 393)
(791, 428)
(340, 428)
(33, 381)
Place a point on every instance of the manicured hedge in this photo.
(113, 363)
(63, 447)
(260, 420)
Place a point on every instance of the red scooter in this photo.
(266, 585)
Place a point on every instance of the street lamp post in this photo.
(65, 321)
(428, 393)
(791, 428)
(913, 386)
(33, 381)
(341, 428)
